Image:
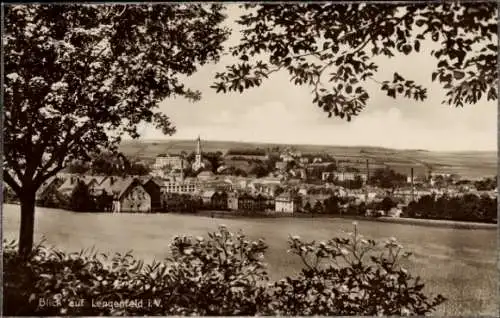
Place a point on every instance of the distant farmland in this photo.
(469, 164)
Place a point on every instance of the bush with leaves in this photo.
(222, 274)
(351, 276)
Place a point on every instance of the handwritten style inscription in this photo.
(127, 303)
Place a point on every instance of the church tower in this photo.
(197, 161)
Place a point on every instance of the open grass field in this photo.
(458, 263)
(470, 164)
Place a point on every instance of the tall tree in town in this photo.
(387, 178)
(81, 200)
(79, 77)
(333, 49)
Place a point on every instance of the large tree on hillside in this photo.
(78, 77)
(215, 159)
(387, 178)
(331, 47)
(117, 164)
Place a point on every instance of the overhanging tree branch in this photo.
(11, 182)
(58, 156)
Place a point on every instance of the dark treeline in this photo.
(470, 207)
(175, 202)
(337, 205)
(109, 164)
(82, 200)
(486, 184)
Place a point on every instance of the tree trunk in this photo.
(27, 223)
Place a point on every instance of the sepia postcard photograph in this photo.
(250, 159)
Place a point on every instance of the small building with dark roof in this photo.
(128, 193)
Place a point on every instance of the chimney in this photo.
(412, 186)
(367, 170)
(367, 179)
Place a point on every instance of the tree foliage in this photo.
(79, 77)
(332, 204)
(386, 204)
(81, 200)
(78, 167)
(468, 207)
(138, 169)
(331, 48)
(387, 178)
(75, 73)
(487, 184)
(260, 170)
(357, 183)
(215, 159)
(9, 195)
(184, 203)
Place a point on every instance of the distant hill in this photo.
(469, 164)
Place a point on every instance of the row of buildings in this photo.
(150, 194)
(291, 164)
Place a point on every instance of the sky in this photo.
(280, 112)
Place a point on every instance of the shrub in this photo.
(351, 276)
(222, 274)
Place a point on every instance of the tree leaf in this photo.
(391, 93)
(397, 78)
(458, 74)
(420, 22)
(443, 63)
(407, 49)
(417, 46)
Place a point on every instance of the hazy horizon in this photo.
(280, 112)
(174, 139)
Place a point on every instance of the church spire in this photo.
(197, 163)
(198, 145)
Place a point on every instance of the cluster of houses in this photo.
(126, 194)
(151, 194)
(281, 191)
